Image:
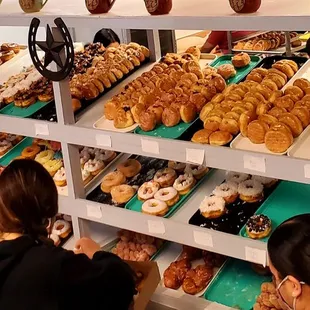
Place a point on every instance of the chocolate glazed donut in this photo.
(158, 7)
(245, 6)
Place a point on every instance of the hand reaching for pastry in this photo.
(86, 246)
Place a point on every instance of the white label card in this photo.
(42, 129)
(256, 256)
(255, 163)
(195, 156)
(307, 171)
(150, 146)
(203, 238)
(104, 140)
(94, 211)
(156, 227)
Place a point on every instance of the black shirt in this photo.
(34, 276)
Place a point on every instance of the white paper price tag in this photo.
(173, 293)
(94, 211)
(307, 171)
(203, 238)
(156, 227)
(256, 256)
(195, 156)
(104, 140)
(255, 163)
(150, 146)
(42, 129)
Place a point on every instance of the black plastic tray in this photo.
(149, 167)
(237, 215)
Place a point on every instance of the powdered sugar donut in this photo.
(105, 155)
(251, 191)
(228, 191)
(184, 183)
(147, 190)
(212, 207)
(169, 195)
(236, 177)
(155, 207)
(197, 171)
(267, 182)
(165, 177)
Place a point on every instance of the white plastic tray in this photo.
(206, 59)
(301, 149)
(106, 124)
(243, 143)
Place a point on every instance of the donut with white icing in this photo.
(155, 207)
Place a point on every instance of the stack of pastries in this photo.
(264, 42)
(237, 106)
(136, 247)
(268, 299)
(174, 90)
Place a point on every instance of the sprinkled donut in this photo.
(212, 207)
(169, 195)
(236, 177)
(184, 183)
(228, 191)
(165, 177)
(61, 228)
(155, 207)
(147, 190)
(258, 226)
(251, 191)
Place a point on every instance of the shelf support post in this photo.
(154, 44)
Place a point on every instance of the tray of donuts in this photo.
(192, 270)
(133, 246)
(8, 142)
(230, 112)
(237, 285)
(168, 190)
(121, 181)
(233, 202)
(61, 231)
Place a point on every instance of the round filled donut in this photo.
(112, 179)
(258, 226)
(122, 193)
(165, 177)
(129, 168)
(169, 195)
(155, 207)
(147, 190)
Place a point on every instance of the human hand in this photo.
(86, 246)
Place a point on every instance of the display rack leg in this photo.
(154, 44)
(126, 36)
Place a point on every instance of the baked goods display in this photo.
(8, 141)
(265, 42)
(61, 229)
(192, 271)
(241, 60)
(233, 202)
(168, 186)
(174, 90)
(258, 226)
(268, 299)
(8, 51)
(252, 107)
(136, 247)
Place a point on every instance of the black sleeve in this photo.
(105, 282)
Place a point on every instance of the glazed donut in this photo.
(147, 190)
(268, 119)
(295, 91)
(169, 195)
(303, 84)
(112, 179)
(44, 157)
(184, 183)
(171, 117)
(122, 193)
(285, 68)
(303, 115)
(165, 177)
(258, 226)
(105, 155)
(250, 191)
(60, 177)
(177, 166)
(30, 152)
(212, 207)
(129, 168)
(257, 131)
(244, 120)
(5, 146)
(61, 228)
(53, 165)
(155, 207)
(147, 120)
(236, 177)
(292, 122)
(228, 191)
(267, 182)
(197, 171)
(229, 125)
(277, 111)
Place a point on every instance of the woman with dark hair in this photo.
(34, 274)
(289, 253)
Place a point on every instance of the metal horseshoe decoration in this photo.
(52, 50)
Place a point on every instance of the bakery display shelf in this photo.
(148, 168)
(236, 285)
(301, 147)
(136, 205)
(234, 219)
(243, 143)
(241, 72)
(10, 150)
(288, 200)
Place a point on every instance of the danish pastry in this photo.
(241, 60)
(147, 121)
(226, 71)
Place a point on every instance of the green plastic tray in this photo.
(136, 205)
(236, 285)
(242, 72)
(12, 110)
(17, 151)
(288, 199)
